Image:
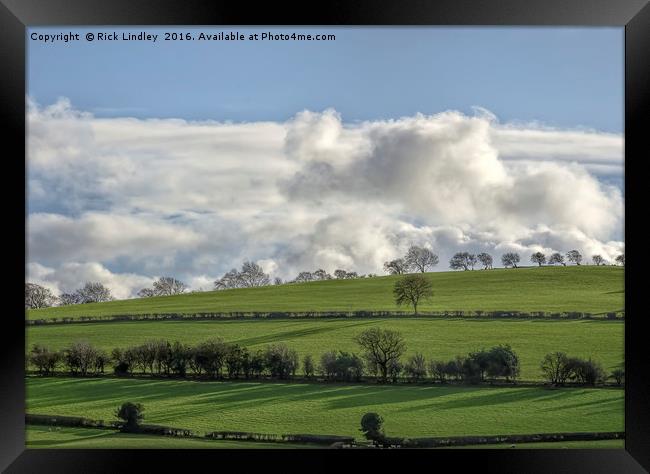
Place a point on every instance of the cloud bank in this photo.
(125, 200)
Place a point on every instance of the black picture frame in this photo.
(634, 15)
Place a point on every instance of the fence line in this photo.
(80, 422)
(620, 315)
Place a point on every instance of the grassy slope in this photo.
(586, 288)
(85, 438)
(334, 409)
(435, 338)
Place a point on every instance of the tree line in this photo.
(421, 259)
(251, 275)
(381, 357)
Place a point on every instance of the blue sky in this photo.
(564, 77)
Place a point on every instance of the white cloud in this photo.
(70, 276)
(127, 200)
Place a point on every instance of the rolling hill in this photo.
(551, 289)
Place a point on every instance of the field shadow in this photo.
(297, 333)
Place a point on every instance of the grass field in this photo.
(554, 289)
(85, 438)
(334, 409)
(435, 338)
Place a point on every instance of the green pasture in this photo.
(551, 289)
(435, 338)
(89, 438)
(421, 410)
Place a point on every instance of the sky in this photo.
(185, 158)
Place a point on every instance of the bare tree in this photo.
(230, 280)
(396, 267)
(598, 260)
(420, 258)
(556, 367)
(556, 258)
(485, 259)
(253, 275)
(94, 292)
(146, 293)
(539, 258)
(167, 286)
(574, 256)
(277, 281)
(620, 259)
(382, 347)
(510, 259)
(37, 296)
(463, 260)
(410, 289)
(69, 298)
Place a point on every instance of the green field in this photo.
(435, 338)
(87, 438)
(553, 289)
(335, 408)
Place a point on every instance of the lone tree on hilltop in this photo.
(382, 347)
(410, 289)
(598, 260)
(132, 414)
(463, 260)
(620, 259)
(510, 259)
(556, 258)
(539, 258)
(485, 259)
(574, 256)
(396, 267)
(420, 258)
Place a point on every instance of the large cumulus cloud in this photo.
(124, 200)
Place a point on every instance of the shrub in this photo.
(415, 367)
(371, 427)
(395, 368)
(588, 372)
(281, 361)
(131, 414)
(308, 366)
(618, 375)
(81, 358)
(209, 357)
(44, 359)
(502, 361)
(342, 366)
